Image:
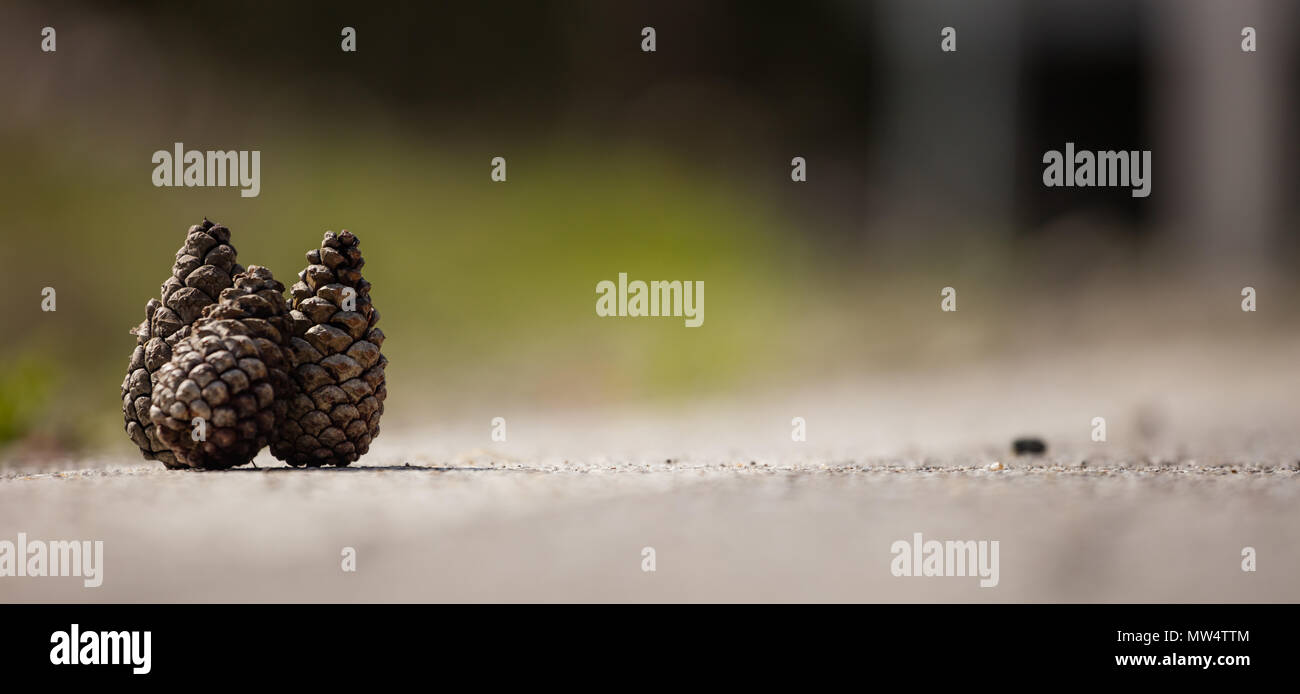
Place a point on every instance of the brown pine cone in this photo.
(232, 373)
(339, 369)
(204, 267)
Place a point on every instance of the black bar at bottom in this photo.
(605, 645)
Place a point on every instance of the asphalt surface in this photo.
(1199, 464)
(487, 530)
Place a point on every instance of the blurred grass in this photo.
(486, 290)
(26, 385)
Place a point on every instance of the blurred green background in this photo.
(672, 165)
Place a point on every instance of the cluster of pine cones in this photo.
(224, 366)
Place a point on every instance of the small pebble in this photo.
(1029, 444)
(995, 466)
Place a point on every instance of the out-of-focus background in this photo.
(924, 171)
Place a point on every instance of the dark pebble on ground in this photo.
(1031, 445)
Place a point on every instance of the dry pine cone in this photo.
(231, 372)
(204, 267)
(339, 369)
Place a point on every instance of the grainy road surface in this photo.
(1199, 463)
(759, 532)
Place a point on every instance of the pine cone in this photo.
(339, 369)
(231, 371)
(204, 267)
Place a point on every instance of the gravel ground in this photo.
(721, 532)
(1200, 462)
